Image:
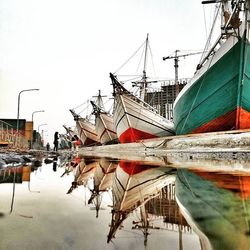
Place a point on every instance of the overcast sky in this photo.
(67, 48)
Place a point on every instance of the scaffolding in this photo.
(165, 206)
(163, 99)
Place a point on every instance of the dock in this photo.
(219, 149)
(229, 141)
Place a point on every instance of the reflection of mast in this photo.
(134, 184)
(102, 182)
(144, 224)
(162, 206)
(97, 201)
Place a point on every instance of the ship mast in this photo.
(144, 76)
(99, 101)
(143, 83)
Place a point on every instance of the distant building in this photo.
(163, 99)
(13, 124)
(8, 132)
(25, 127)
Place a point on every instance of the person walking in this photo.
(56, 139)
(48, 146)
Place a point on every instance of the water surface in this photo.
(122, 204)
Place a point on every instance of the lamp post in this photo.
(41, 126)
(44, 124)
(37, 111)
(18, 107)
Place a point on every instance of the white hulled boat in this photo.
(86, 130)
(104, 123)
(134, 119)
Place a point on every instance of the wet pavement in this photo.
(103, 203)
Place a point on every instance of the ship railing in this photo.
(143, 103)
(181, 81)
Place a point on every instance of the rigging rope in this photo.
(197, 93)
(151, 54)
(86, 109)
(131, 79)
(211, 32)
(205, 23)
(206, 46)
(80, 105)
(129, 58)
(141, 58)
(143, 51)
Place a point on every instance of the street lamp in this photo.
(18, 107)
(41, 126)
(37, 111)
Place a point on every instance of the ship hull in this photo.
(133, 121)
(105, 128)
(86, 132)
(217, 98)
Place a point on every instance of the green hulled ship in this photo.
(218, 96)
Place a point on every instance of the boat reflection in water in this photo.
(142, 193)
(148, 203)
(93, 174)
(103, 177)
(134, 184)
(216, 205)
(83, 170)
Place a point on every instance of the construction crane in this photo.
(176, 60)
